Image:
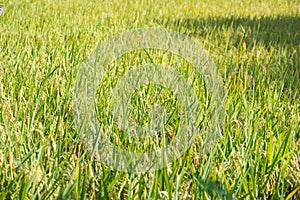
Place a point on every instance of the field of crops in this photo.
(255, 45)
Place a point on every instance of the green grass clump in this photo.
(255, 46)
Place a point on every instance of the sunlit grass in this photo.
(255, 46)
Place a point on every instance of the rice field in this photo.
(255, 46)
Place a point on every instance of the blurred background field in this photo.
(255, 46)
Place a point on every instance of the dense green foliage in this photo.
(254, 44)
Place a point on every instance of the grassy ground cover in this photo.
(255, 46)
